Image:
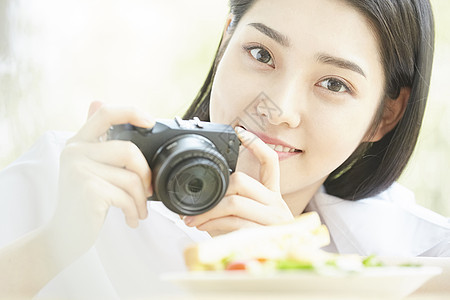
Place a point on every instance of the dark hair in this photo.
(405, 30)
(200, 106)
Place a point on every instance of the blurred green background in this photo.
(58, 56)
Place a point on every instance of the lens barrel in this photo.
(189, 175)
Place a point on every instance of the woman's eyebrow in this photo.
(340, 63)
(272, 33)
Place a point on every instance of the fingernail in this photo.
(149, 191)
(188, 220)
(133, 223)
(148, 120)
(243, 134)
(149, 123)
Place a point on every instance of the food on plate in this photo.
(294, 245)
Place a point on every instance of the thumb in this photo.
(268, 159)
(95, 105)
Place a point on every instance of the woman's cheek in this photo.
(337, 150)
(225, 92)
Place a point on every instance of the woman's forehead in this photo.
(316, 18)
(320, 26)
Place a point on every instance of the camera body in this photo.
(191, 161)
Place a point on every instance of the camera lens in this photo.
(195, 184)
(189, 175)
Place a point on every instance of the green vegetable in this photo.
(372, 261)
(290, 264)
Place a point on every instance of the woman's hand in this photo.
(247, 201)
(96, 174)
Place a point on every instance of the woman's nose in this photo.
(280, 109)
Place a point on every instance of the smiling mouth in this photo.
(284, 149)
(273, 143)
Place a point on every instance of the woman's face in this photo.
(304, 75)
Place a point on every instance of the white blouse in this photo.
(127, 263)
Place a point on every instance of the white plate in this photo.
(376, 282)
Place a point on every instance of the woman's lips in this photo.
(280, 148)
(283, 149)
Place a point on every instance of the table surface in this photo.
(421, 296)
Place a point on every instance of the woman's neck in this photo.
(298, 200)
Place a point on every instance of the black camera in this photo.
(191, 161)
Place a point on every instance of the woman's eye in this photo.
(261, 55)
(334, 85)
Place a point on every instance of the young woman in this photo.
(327, 97)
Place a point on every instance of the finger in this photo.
(225, 225)
(246, 186)
(236, 205)
(95, 105)
(109, 195)
(94, 189)
(268, 158)
(115, 196)
(76, 162)
(108, 115)
(121, 154)
(126, 181)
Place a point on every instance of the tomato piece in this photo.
(236, 266)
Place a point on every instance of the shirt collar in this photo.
(389, 224)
